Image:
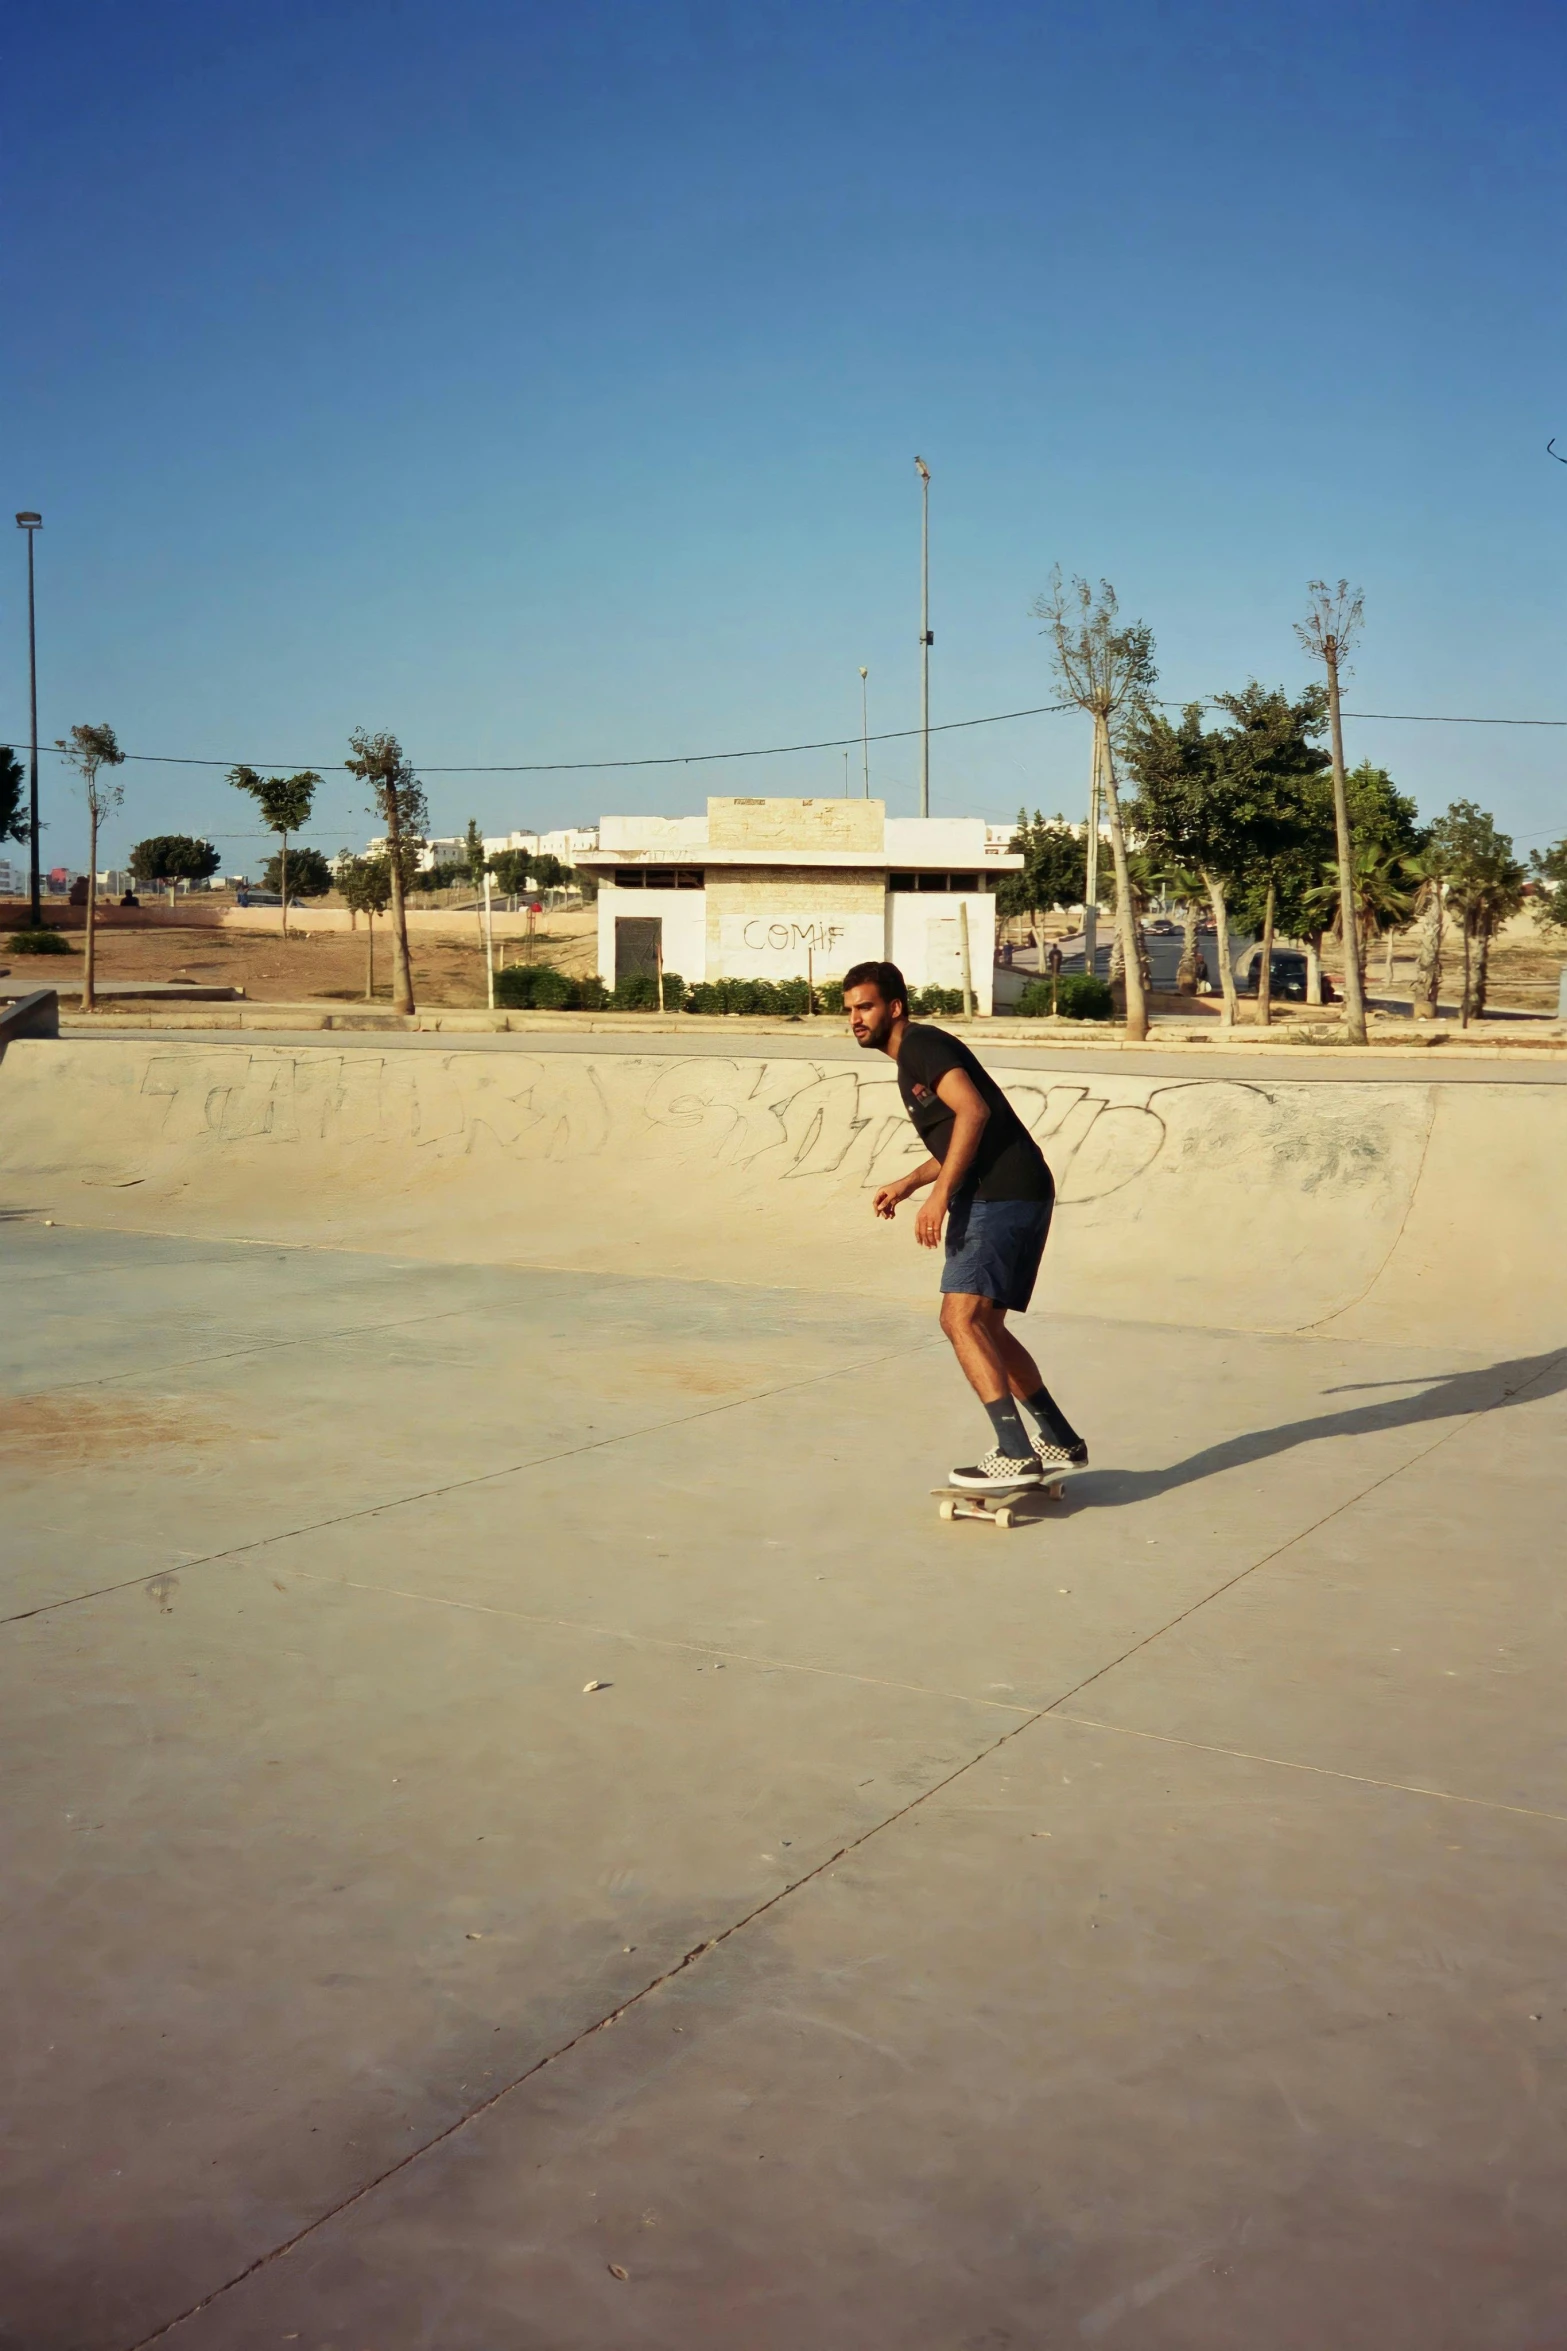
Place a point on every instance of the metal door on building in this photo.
(639, 940)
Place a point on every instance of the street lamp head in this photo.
(922, 469)
(29, 522)
(864, 672)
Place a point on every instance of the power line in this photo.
(1425, 718)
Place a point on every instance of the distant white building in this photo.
(15, 880)
(790, 889)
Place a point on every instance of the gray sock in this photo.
(1053, 1423)
(1011, 1436)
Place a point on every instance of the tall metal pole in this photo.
(30, 523)
(926, 639)
(865, 729)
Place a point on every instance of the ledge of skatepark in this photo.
(1520, 1035)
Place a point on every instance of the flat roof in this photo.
(852, 860)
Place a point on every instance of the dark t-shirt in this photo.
(1009, 1164)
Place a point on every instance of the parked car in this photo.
(1289, 977)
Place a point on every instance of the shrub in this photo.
(790, 999)
(637, 992)
(38, 942)
(930, 1000)
(533, 987)
(1081, 997)
(592, 995)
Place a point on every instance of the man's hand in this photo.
(891, 1197)
(928, 1223)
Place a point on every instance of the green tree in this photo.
(1186, 814)
(1106, 668)
(1486, 886)
(548, 871)
(285, 803)
(1328, 634)
(365, 884)
(510, 868)
(1055, 869)
(308, 874)
(1271, 773)
(1550, 870)
(168, 858)
(90, 749)
(397, 798)
(13, 797)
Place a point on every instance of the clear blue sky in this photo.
(545, 383)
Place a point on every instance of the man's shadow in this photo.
(1444, 1396)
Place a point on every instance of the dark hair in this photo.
(888, 982)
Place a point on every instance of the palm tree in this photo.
(1190, 895)
(1377, 897)
(90, 749)
(1430, 869)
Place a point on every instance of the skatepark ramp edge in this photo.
(1402, 1209)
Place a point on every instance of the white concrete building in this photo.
(567, 842)
(790, 889)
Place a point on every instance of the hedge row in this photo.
(526, 987)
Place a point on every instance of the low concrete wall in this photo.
(1397, 1209)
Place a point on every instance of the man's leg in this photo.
(976, 1329)
(1024, 1380)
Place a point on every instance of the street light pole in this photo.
(865, 729)
(29, 523)
(926, 639)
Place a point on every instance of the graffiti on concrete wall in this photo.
(798, 1122)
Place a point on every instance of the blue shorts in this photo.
(994, 1248)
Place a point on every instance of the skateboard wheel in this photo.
(1003, 1516)
(946, 1509)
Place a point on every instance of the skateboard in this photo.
(1001, 1508)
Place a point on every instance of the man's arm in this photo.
(970, 1112)
(889, 1198)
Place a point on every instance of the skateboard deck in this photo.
(1005, 1506)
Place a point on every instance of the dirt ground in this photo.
(1526, 962)
(329, 965)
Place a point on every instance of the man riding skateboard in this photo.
(992, 1190)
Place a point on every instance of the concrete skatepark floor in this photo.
(1144, 1928)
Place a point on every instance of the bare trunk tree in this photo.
(1354, 985)
(1105, 668)
(282, 879)
(1186, 970)
(398, 799)
(369, 956)
(90, 910)
(1428, 964)
(1125, 910)
(1464, 1007)
(402, 970)
(1482, 964)
(1313, 967)
(1329, 633)
(1221, 942)
(1265, 971)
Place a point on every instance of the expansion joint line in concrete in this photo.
(1044, 1714)
(483, 1477)
(1320, 1771)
